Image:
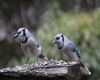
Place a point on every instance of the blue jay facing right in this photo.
(69, 51)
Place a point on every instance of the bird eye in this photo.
(18, 32)
(57, 38)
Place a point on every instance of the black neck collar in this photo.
(24, 41)
(61, 46)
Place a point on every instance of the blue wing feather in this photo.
(74, 49)
(38, 45)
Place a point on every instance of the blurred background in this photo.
(79, 20)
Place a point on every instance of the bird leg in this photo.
(27, 60)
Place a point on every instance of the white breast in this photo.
(30, 49)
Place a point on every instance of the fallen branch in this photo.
(46, 70)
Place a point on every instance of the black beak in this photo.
(15, 36)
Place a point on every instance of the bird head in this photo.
(59, 40)
(22, 34)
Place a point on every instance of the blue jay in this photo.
(69, 51)
(29, 44)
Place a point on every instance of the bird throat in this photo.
(60, 45)
(25, 40)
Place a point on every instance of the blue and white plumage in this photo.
(29, 44)
(69, 51)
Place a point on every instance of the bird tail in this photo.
(84, 69)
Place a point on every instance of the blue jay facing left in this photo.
(29, 44)
(69, 51)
